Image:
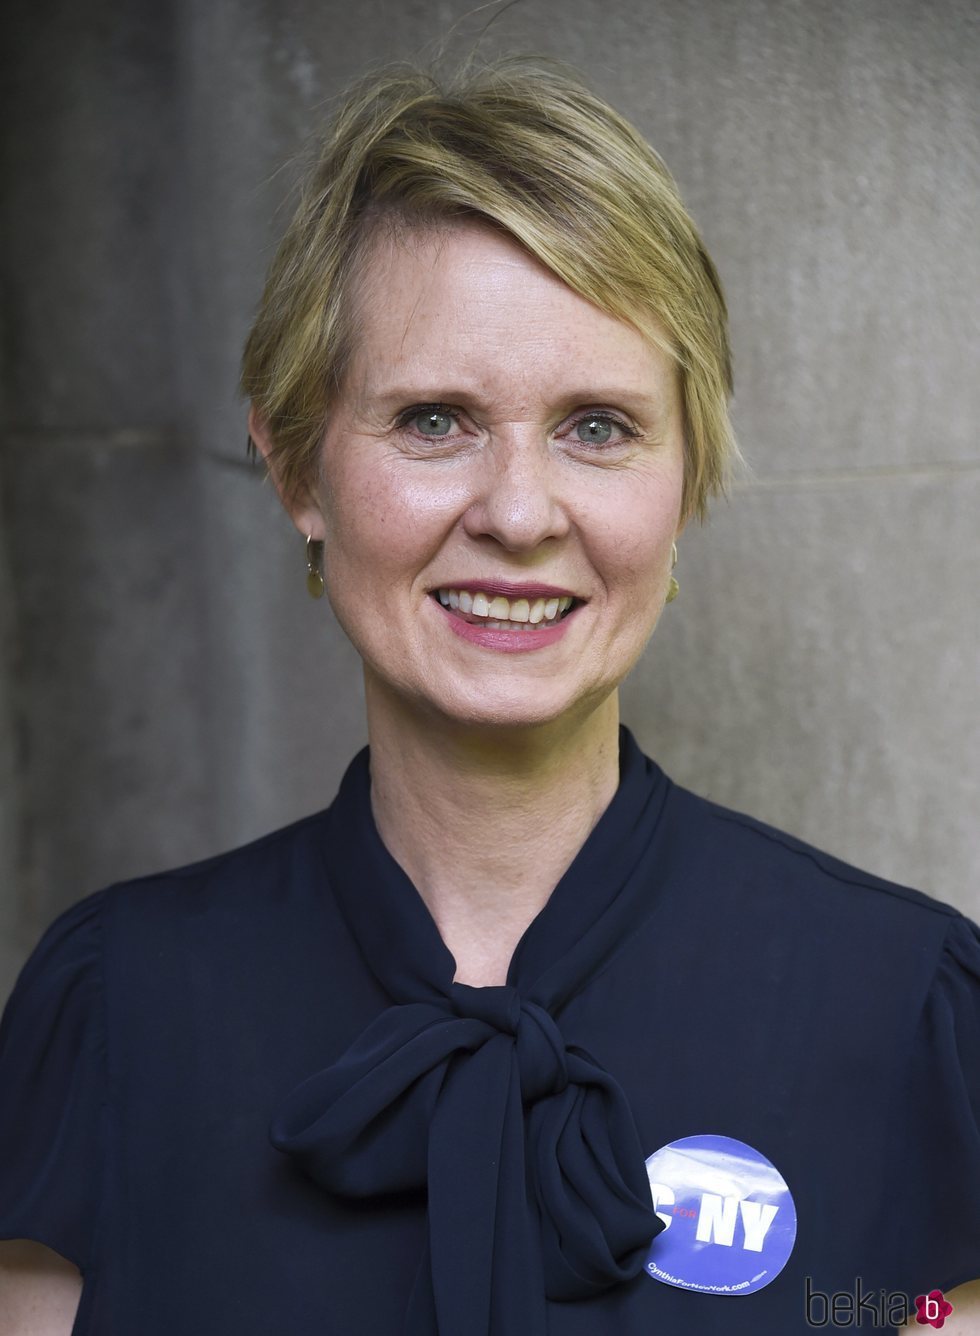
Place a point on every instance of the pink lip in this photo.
(510, 642)
(508, 589)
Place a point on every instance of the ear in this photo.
(302, 507)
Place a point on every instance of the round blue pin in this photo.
(729, 1217)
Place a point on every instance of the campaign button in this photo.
(729, 1216)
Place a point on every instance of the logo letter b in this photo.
(816, 1317)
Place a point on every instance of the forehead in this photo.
(464, 299)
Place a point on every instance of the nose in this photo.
(516, 491)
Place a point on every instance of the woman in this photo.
(517, 1036)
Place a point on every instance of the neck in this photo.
(485, 821)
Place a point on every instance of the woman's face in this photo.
(495, 429)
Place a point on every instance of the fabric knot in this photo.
(540, 1045)
(499, 1007)
(477, 1097)
(540, 1055)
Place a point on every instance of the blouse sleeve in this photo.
(52, 1089)
(941, 1172)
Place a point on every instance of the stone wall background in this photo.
(166, 688)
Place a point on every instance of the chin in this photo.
(506, 711)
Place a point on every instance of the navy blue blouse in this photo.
(247, 1097)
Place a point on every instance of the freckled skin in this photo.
(467, 318)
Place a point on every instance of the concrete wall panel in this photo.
(87, 155)
(112, 773)
(285, 702)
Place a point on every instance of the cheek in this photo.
(632, 532)
(384, 521)
(354, 506)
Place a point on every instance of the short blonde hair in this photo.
(523, 145)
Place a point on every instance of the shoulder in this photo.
(262, 871)
(761, 852)
(240, 897)
(797, 887)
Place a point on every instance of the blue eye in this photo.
(598, 429)
(431, 421)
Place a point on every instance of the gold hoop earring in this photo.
(673, 589)
(314, 572)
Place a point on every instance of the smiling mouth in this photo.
(503, 614)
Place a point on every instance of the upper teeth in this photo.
(503, 609)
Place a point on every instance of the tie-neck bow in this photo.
(526, 1146)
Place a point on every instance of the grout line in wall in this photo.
(876, 473)
(116, 438)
